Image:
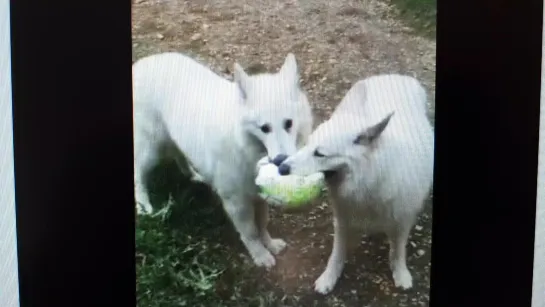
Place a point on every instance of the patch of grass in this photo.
(172, 267)
(177, 263)
(420, 14)
(187, 252)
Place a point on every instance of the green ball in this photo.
(291, 191)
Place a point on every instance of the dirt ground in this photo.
(336, 43)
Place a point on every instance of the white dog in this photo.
(184, 110)
(377, 152)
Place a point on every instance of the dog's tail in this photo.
(422, 95)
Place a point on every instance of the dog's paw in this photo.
(265, 259)
(143, 208)
(325, 283)
(142, 202)
(276, 246)
(403, 279)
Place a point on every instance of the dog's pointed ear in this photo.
(370, 134)
(241, 79)
(289, 68)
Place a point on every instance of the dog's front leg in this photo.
(274, 245)
(335, 264)
(398, 237)
(241, 212)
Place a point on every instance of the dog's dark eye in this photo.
(266, 128)
(287, 124)
(318, 154)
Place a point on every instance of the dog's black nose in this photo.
(279, 159)
(284, 169)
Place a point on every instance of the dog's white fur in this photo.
(380, 145)
(183, 109)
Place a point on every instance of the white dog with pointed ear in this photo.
(377, 153)
(222, 129)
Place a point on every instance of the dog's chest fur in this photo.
(363, 203)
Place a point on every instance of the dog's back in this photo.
(401, 167)
(177, 99)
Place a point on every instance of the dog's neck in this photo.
(341, 182)
(334, 179)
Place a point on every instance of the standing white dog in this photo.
(377, 152)
(183, 109)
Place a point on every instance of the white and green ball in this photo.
(288, 191)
